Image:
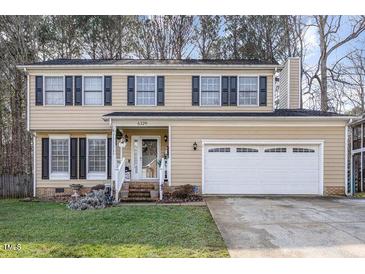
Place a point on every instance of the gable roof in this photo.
(96, 63)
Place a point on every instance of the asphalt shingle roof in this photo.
(56, 62)
(276, 113)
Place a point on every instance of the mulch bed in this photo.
(168, 198)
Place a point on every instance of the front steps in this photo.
(139, 192)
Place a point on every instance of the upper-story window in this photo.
(93, 90)
(54, 90)
(210, 91)
(146, 90)
(248, 91)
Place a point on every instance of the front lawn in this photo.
(47, 229)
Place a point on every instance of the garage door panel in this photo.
(295, 171)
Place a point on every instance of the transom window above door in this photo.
(93, 90)
(146, 90)
(210, 91)
(248, 91)
(54, 90)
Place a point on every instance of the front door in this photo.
(145, 156)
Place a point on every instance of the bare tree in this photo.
(207, 36)
(330, 40)
(349, 75)
(163, 37)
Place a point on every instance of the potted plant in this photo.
(76, 188)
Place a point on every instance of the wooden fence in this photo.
(16, 186)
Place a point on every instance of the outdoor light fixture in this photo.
(195, 146)
(126, 138)
(165, 138)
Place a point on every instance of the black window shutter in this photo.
(73, 160)
(45, 158)
(195, 90)
(160, 90)
(78, 90)
(233, 91)
(130, 90)
(82, 158)
(107, 90)
(109, 162)
(69, 91)
(263, 91)
(39, 90)
(225, 86)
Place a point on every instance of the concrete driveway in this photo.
(290, 227)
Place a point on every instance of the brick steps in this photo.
(139, 192)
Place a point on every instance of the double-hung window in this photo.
(59, 158)
(248, 91)
(210, 91)
(93, 90)
(96, 158)
(146, 90)
(54, 90)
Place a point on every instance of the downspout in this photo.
(349, 192)
(34, 165)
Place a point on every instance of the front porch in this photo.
(141, 162)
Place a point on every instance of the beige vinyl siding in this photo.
(62, 183)
(283, 88)
(294, 99)
(178, 97)
(187, 164)
(88, 183)
(289, 85)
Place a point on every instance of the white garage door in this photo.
(262, 169)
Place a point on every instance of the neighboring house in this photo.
(357, 181)
(213, 121)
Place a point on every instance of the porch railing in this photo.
(119, 178)
(162, 177)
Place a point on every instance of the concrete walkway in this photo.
(290, 227)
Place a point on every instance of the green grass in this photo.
(47, 229)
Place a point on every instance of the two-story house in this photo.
(210, 123)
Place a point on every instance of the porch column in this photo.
(114, 151)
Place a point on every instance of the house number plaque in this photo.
(142, 123)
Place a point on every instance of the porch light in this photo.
(126, 138)
(195, 146)
(165, 138)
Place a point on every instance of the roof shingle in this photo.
(276, 113)
(59, 62)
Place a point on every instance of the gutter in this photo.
(151, 66)
(223, 118)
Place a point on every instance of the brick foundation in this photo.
(334, 190)
(50, 193)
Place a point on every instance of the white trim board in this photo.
(320, 143)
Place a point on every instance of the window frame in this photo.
(257, 92)
(59, 176)
(44, 90)
(135, 90)
(200, 90)
(278, 149)
(102, 90)
(96, 176)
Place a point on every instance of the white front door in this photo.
(145, 155)
(262, 169)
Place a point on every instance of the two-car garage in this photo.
(263, 168)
